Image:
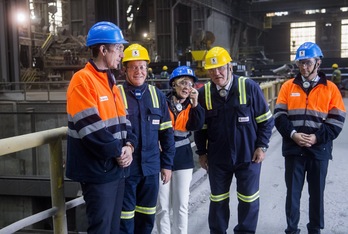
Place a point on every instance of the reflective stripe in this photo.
(145, 210)
(123, 95)
(205, 126)
(241, 89)
(154, 97)
(73, 133)
(335, 122)
(181, 133)
(208, 96)
(182, 142)
(220, 197)
(248, 199)
(166, 125)
(127, 214)
(264, 117)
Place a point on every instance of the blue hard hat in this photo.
(182, 71)
(105, 33)
(308, 50)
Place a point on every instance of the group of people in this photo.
(161, 80)
(129, 144)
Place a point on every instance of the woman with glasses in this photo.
(186, 115)
(309, 114)
(153, 157)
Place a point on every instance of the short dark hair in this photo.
(95, 49)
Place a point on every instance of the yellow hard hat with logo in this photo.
(135, 52)
(335, 65)
(216, 57)
(164, 68)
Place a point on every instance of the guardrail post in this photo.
(57, 186)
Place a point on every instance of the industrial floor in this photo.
(272, 193)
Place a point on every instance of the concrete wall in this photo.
(220, 25)
(23, 118)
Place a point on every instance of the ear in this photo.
(103, 50)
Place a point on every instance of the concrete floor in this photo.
(273, 191)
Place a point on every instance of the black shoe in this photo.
(293, 232)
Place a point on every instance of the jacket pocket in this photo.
(243, 116)
(154, 118)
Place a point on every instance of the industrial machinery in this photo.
(202, 42)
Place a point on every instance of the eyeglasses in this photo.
(185, 83)
(307, 63)
(137, 68)
(220, 69)
(118, 48)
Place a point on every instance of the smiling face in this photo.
(183, 86)
(136, 72)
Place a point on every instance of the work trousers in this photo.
(297, 168)
(247, 180)
(174, 196)
(103, 206)
(139, 204)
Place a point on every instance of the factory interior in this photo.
(43, 43)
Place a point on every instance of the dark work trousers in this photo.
(103, 206)
(297, 168)
(141, 194)
(247, 180)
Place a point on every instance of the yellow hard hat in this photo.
(135, 52)
(335, 65)
(150, 69)
(164, 68)
(216, 57)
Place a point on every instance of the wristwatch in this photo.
(264, 149)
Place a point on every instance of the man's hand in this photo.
(165, 175)
(304, 140)
(259, 155)
(126, 157)
(203, 161)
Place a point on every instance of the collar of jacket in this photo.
(184, 104)
(96, 68)
(323, 79)
(130, 87)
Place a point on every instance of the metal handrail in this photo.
(54, 138)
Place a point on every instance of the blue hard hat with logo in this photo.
(308, 50)
(182, 71)
(105, 33)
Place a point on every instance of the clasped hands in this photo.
(304, 140)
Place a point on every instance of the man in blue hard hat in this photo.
(309, 114)
(100, 142)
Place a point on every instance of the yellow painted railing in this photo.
(53, 138)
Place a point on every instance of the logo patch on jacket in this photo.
(155, 121)
(243, 119)
(294, 94)
(103, 98)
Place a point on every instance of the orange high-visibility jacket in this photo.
(97, 127)
(185, 121)
(318, 110)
